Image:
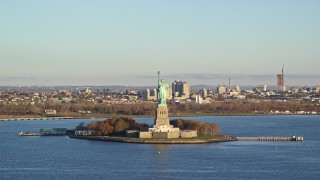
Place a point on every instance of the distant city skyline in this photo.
(151, 80)
(80, 42)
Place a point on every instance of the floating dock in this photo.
(46, 132)
(293, 138)
(29, 134)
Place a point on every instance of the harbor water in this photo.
(59, 157)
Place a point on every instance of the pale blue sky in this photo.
(125, 42)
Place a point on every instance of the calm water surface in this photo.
(65, 158)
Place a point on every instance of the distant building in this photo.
(316, 89)
(222, 90)
(261, 88)
(204, 93)
(237, 89)
(197, 99)
(85, 91)
(180, 89)
(294, 90)
(152, 94)
(169, 94)
(280, 81)
(304, 89)
(239, 97)
(65, 92)
(130, 92)
(233, 93)
(249, 91)
(149, 94)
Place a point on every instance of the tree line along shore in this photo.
(146, 109)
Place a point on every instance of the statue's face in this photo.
(162, 81)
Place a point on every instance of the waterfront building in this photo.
(50, 112)
(83, 133)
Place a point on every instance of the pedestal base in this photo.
(162, 116)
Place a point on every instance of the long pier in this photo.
(43, 118)
(293, 138)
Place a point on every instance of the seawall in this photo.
(152, 141)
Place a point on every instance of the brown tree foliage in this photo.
(202, 128)
(114, 126)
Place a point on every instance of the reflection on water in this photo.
(161, 155)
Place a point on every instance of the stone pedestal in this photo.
(162, 116)
(162, 128)
(161, 123)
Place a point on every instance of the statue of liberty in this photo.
(162, 91)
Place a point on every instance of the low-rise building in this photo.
(83, 133)
(50, 112)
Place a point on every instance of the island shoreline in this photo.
(152, 141)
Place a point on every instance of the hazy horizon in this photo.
(114, 42)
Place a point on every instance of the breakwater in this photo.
(42, 118)
(293, 138)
